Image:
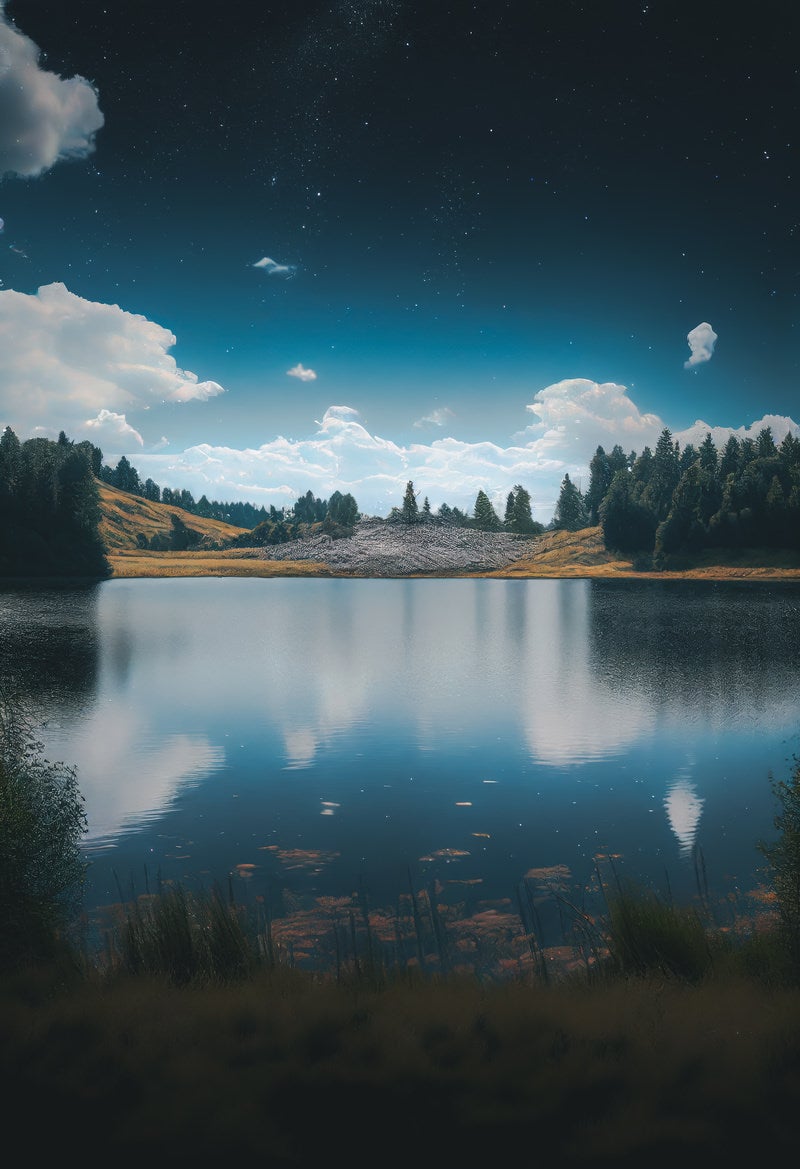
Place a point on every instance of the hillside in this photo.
(125, 516)
(565, 554)
(381, 549)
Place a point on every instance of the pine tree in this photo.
(600, 476)
(409, 511)
(708, 454)
(521, 518)
(486, 518)
(570, 513)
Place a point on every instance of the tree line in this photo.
(50, 509)
(517, 516)
(669, 500)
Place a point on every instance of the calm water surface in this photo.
(311, 735)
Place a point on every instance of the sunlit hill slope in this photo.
(125, 517)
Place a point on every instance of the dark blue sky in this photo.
(472, 209)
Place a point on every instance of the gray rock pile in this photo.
(381, 548)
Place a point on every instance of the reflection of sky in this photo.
(191, 672)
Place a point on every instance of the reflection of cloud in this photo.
(684, 808)
(300, 371)
(146, 775)
(83, 364)
(43, 117)
(702, 340)
(300, 745)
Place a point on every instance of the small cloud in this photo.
(162, 442)
(273, 268)
(300, 371)
(702, 340)
(436, 417)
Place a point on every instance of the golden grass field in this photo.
(233, 563)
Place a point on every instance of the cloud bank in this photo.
(44, 118)
(84, 366)
(98, 372)
(702, 340)
(575, 417)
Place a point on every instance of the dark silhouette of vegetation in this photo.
(571, 513)
(783, 860)
(42, 823)
(486, 518)
(49, 509)
(668, 501)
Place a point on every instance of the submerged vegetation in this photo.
(656, 1032)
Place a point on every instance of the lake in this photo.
(298, 739)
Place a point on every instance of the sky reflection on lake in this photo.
(473, 725)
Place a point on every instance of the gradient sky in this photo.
(293, 246)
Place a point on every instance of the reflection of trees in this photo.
(49, 645)
(705, 647)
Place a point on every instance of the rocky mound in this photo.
(380, 548)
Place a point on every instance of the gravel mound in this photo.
(380, 548)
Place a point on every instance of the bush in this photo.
(42, 822)
(783, 859)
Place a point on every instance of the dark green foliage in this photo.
(486, 518)
(647, 936)
(185, 938)
(342, 510)
(42, 823)
(687, 457)
(627, 525)
(747, 496)
(570, 514)
(708, 454)
(181, 536)
(309, 510)
(783, 860)
(49, 509)
(694, 501)
(663, 478)
(521, 519)
(126, 478)
(409, 512)
(600, 476)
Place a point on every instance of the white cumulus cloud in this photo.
(43, 117)
(702, 340)
(111, 427)
(84, 366)
(300, 371)
(577, 415)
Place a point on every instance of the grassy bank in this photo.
(234, 563)
(673, 1045)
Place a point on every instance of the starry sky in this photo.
(337, 245)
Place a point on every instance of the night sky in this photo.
(338, 245)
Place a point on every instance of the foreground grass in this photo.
(287, 1069)
(197, 1039)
